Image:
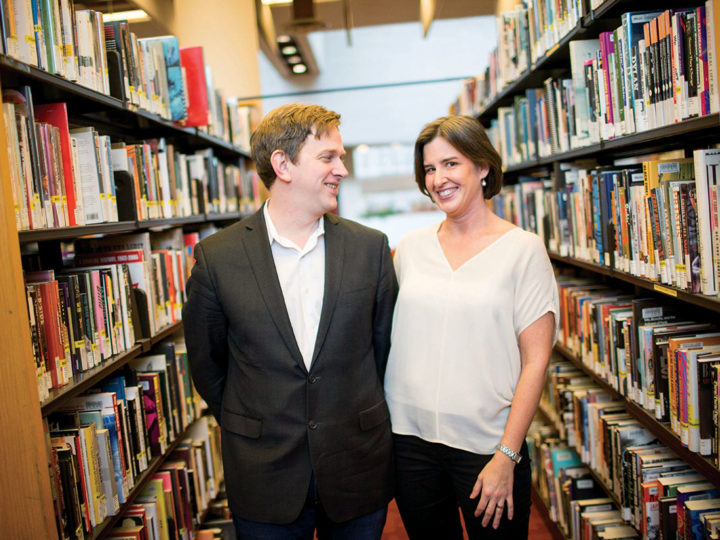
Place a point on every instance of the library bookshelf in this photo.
(489, 101)
(27, 509)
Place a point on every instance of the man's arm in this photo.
(205, 335)
(387, 291)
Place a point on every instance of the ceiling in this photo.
(297, 18)
(377, 12)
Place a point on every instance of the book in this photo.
(193, 63)
(707, 166)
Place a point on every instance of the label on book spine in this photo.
(665, 290)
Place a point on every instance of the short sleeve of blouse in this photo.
(536, 289)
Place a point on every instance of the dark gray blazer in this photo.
(279, 421)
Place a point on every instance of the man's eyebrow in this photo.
(333, 151)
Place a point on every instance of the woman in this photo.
(474, 325)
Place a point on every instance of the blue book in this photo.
(39, 34)
(694, 510)
(632, 23)
(531, 96)
(563, 458)
(117, 385)
(176, 89)
(596, 218)
(109, 423)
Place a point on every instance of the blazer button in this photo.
(312, 425)
(314, 379)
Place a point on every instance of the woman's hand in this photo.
(495, 487)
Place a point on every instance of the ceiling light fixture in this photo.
(299, 68)
(289, 49)
(135, 15)
(283, 39)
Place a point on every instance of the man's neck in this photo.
(290, 222)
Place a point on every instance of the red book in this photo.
(191, 59)
(55, 114)
(48, 297)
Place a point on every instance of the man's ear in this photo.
(281, 165)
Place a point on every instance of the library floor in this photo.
(394, 529)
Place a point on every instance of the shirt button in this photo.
(312, 425)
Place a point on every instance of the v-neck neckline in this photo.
(475, 256)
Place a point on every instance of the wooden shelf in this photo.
(87, 379)
(118, 118)
(690, 133)
(661, 430)
(68, 233)
(706, 302)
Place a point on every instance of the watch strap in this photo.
(514, 456)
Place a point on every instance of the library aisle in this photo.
(394, 529)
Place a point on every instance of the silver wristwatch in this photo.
(514, 456)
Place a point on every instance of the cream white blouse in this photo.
(455, 358)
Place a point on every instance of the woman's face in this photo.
(453, 181)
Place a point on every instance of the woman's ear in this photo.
(483, 170)
(281, 165)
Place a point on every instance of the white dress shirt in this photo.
(301, 272)
(455, 358)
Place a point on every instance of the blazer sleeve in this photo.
(206, 329)
(387, 292)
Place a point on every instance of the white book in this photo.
(88, 176)
(85, 55)
(107, 181)
(707, 177)
(79, 208)
(70, 67)
(164, 175)
(18, 183)
(151, 517)
(712, 56)
(133, 395)
(26, 49)
(107, 472)
(101, 67)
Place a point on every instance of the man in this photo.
(287, 325)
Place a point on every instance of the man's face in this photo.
(317, 173)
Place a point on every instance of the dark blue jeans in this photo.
(312, 518)
(434, 479)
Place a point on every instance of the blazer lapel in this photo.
(261, 260)
(334, 258)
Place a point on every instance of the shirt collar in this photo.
(274, 236)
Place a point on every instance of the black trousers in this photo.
(434, 479)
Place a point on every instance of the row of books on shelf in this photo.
(114, 291)
(604, 475)
(525, 35)
(154, 74)
(101, 443)
(63, 177)
(665, 361)
(657, 68)
(574, 498)
(656, 218)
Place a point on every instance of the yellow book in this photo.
(155, 493)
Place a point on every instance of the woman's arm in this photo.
(495, 481)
